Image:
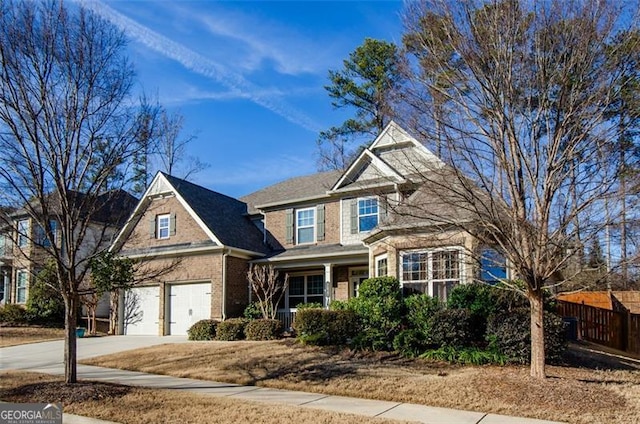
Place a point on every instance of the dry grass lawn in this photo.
(13, 336)
(130, 405)
(576, 394)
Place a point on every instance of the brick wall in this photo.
(237, 286)
(341, 278)
(187, 229)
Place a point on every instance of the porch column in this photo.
(328, 285)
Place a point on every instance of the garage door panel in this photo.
(142, 310)
(188, 304)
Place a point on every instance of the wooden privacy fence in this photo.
(615, 329)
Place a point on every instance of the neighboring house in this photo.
(24, 244)
(328, 231)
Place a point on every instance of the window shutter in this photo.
(289, 226)
(354, 216)
(172, 224)
(152, 228)
(382, 209)
(320, 225)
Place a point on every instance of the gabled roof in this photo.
(223, 218)
(394, 157)
(292, 190)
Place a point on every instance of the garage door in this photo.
(188, 304)
(142, 309)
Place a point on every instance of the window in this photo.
(23, 233)
(306, 289)
(41, 234)
(493, 266)
(381, 266)
(367, 214)
(163, 226)
(4, 247)
(21, 289)
(435, 272)
(305, 225)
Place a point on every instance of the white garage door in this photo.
(188, 304)
(142, 309)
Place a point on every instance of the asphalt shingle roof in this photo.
(225, 216)
(292, 189)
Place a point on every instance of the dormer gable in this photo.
(394, 157)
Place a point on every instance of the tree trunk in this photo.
(537, 335)
(71, 303)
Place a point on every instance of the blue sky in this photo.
(247, 76)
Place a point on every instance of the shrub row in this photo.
(235, 329)
(317, 326)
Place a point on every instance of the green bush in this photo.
(453, 328)
(420, 309)
(326, 327)
(510, 334)
(380, 308)
(465, 356)
(12, 314)
(252, 311)
(231, 329)
(263, 329)
(479, 298)
(410, 342)
(45, 304)
(339, 305)
(204, 329)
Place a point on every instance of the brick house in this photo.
(25, 246)
(328, 231)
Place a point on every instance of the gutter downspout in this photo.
(224, 284)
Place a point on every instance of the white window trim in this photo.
(430, 281)
(306, 289)
(26, 285)
(377, 214)
(298, 227)
(159, 218)
(377, 268)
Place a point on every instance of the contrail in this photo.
(200, 64)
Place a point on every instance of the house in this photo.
(25, 245)
(328, 231)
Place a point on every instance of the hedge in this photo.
(231, 329)
(263, 329)
(326, 327)
(204, 329)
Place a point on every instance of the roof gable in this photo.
(394, 157)
(222, 218)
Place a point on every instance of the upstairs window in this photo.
(23, 233)
(305, 225)
(367, 214)
(493, 266)
(4, 248)
(163, 229)
(41, 234)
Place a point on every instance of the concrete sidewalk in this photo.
(46, 357)
(367, 407)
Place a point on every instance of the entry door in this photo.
(356, 277)
(188, 304)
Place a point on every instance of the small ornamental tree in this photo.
(111, 274)
(268, 287)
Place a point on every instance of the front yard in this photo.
(575, 394)
(13, 336)
(129, 405)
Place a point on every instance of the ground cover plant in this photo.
(587, 389)
(130, 405)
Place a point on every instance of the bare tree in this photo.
(67, 127)
(519, 91)
(268, 287)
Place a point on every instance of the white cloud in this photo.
(195, 62)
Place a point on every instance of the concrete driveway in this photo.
(51, 354)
